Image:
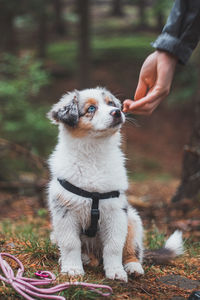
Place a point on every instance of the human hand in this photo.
(154, 83)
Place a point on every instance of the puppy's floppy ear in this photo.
(68, 114)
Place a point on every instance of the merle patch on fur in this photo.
(159, 256)
(125, 209)
(61, 208)
(69, 114)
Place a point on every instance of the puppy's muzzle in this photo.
(116, 113)
(117, 116)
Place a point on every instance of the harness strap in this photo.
(95, 196)
(80, 192)
(95, 214)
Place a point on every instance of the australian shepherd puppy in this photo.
(89, 157)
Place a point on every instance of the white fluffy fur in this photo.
(175, 243)
(134, 267)
(95, 163)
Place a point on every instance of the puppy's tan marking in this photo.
(108, 100)
(94, 262)
(63, 201)
(90, 101)
(81, 130)
(129, 253)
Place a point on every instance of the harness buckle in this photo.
(95, 212)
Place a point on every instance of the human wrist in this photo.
(166, 42)
(167, 54)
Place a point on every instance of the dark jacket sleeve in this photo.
(181, 33)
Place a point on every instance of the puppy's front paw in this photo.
(90, 260)
(85, 259)
(134, 268)
(116, 273)
(72, 271)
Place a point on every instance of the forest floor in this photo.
(26, 235)
(154, 163)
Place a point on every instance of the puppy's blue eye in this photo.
(91, 109)
(111, 103)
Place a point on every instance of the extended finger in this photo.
(147, 108)
(152, 96)
(126, 104)
(130, 105)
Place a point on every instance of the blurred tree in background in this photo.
(83, 9)
(8, 12)
(190, 177)
(117, 8)
(22, 118)
(59, 23)
(142, 14)
(159, 10)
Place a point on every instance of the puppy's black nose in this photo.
(116, 113)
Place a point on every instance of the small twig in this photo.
(145, 291)
(13, 147)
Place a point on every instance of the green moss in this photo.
(145, 175)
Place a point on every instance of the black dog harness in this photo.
(95, 196)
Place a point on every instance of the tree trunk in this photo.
(117, 8)
(59, 24)
(142, 13)
(190, 179)
(42, 33)
(160, 21)
(84, 43)
(159, 8)
(7, 31)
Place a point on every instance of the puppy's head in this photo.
(94, 112)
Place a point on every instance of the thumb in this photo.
(140, 90)
(126, 104)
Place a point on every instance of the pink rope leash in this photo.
(26, 287)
